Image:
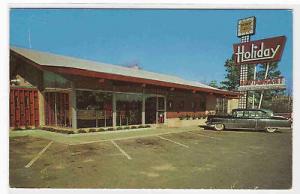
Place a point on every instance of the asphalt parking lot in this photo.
(189, 159)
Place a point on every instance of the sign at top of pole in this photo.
(246, 26)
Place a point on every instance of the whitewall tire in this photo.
(219, 127)
(271, 129)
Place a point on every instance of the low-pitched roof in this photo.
(54, 60)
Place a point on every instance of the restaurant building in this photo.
(53, 90)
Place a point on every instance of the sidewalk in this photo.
(83, 138)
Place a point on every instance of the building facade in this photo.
(54, 90)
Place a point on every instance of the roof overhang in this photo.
(117, 77)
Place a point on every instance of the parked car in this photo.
(250, 119)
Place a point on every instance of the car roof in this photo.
(253, 109)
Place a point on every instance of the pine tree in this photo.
(232, 79)
(273, 72)
(214, 84)
(232, 76)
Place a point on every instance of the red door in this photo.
(23, 107)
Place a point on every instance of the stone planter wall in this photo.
(176, 122)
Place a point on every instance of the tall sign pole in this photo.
(262, 92)
(245, 28)
(253, 93)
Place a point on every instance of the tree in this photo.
(273, 72)
(232, 77)
(214, 84)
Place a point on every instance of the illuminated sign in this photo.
(259, 51)
(267, 84)
(246, 26)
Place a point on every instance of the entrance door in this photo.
(161, 110)
(57, 109)
(155, 110)
(24, 107)
(150, 110)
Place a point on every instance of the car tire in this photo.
(219, 127)
(271, 129)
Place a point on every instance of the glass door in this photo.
(57, 109)
(161, 110)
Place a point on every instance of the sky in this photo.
(192, 44)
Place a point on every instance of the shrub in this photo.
(67, 132)
(81, 131)
(187, 117)
(133, 127)
(70, 132)
(110, 129)
(147, 126)
(100, 129)
(127, 127)
(119, 128)
(48, 129)
(57, 130)
(181, 117)
(27, 127)
(18, 129)
(92, 130)
(141, 126)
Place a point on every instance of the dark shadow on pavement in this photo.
(239, 130)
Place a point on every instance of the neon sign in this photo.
(260, 51)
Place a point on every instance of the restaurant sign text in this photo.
(259, 51)
(266, 84)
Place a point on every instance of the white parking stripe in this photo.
(121, 150)
(174, 142)
(204, 135)
(125, 138)
(39, 155)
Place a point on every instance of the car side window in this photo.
(246, 114)
(252, 114)
(249, 114)
(238, 114)
(260, 114)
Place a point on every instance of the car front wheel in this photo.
(271, 129)
(219, 127)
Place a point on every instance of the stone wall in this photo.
(176, 122)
